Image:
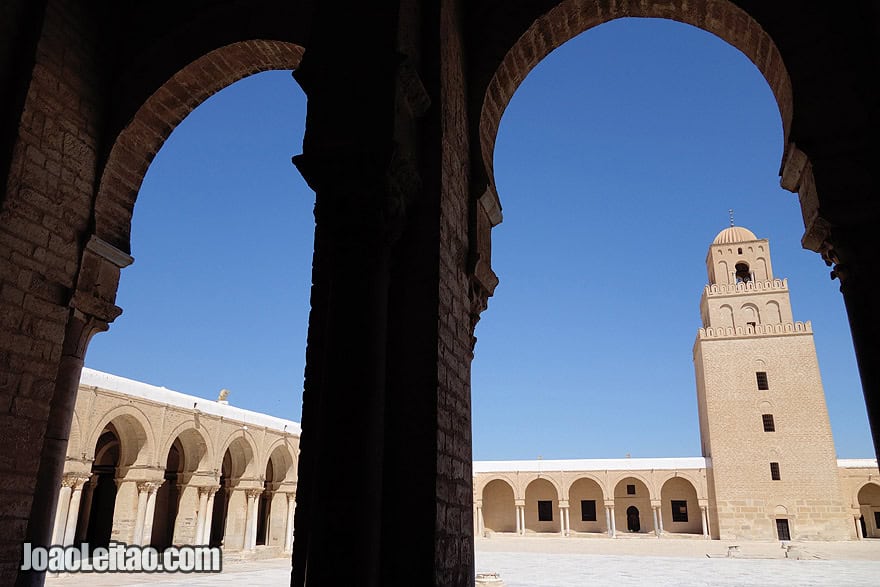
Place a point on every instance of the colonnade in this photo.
(74, 514)
(655, 497)
(221, 476)
(610, 522)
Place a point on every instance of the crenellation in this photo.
(788, 328)
(726, 289)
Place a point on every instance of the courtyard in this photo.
(565, 562)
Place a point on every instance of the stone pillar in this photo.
(141, 516)
(480, 521)
(563, 507)
(358, 156)
(85, 506)
(848, 244)
(250, 532)
(91, 310)
(73, 510)
(201, 515)
(209, 515)
(613, 522)
(152, 487)
(61, 512)
(857, 274)
(704, 518)
(288, 531)
(520, 516)
(655, 510)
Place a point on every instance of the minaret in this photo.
(771, 465)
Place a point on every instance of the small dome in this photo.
(734, 234)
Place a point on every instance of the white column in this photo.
(660, 517)
(705, 520)
(480, 523)
(250, 533)
(613, 523)
(522, 515)
(608, 521)
(200, 515)
(152, 488)
(73, 510)
(656, 523)
(518, 521)
(288, 532)
(209, 515)
(61, 511)
(140, 518)
(566, 522)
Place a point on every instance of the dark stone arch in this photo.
(138, 142)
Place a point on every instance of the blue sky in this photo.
(616, 163)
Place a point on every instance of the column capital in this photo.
(291, 496)
(519, 503)
(253, 492)
(149, 486)
(97, 281)
(74, 481)
(563, 503)
(609, 503)
(207, 490)
(362, 196)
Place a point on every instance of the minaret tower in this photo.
(771, 464)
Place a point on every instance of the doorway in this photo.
(632, 519)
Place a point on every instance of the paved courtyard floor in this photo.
(574, 562)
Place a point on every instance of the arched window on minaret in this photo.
(742, 273)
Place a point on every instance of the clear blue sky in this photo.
(616, 163)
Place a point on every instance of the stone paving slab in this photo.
(549, 562)
(577, 570)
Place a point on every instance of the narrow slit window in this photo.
(774, 471)
(769, 424)
(761, 378)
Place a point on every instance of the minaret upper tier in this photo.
(742, 296)
(738, 256)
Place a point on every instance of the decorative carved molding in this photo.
(362, 197)
(412, 88)
(480, 274)
(75, 481)
(149, 487)
(253, 493)
(107, 251)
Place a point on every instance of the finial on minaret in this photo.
(731, 216)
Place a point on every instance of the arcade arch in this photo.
(632, 506)
(499, 509)
(541, 511)
(587, 506)
(680, 507)
(837, 170)
(869, 508)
